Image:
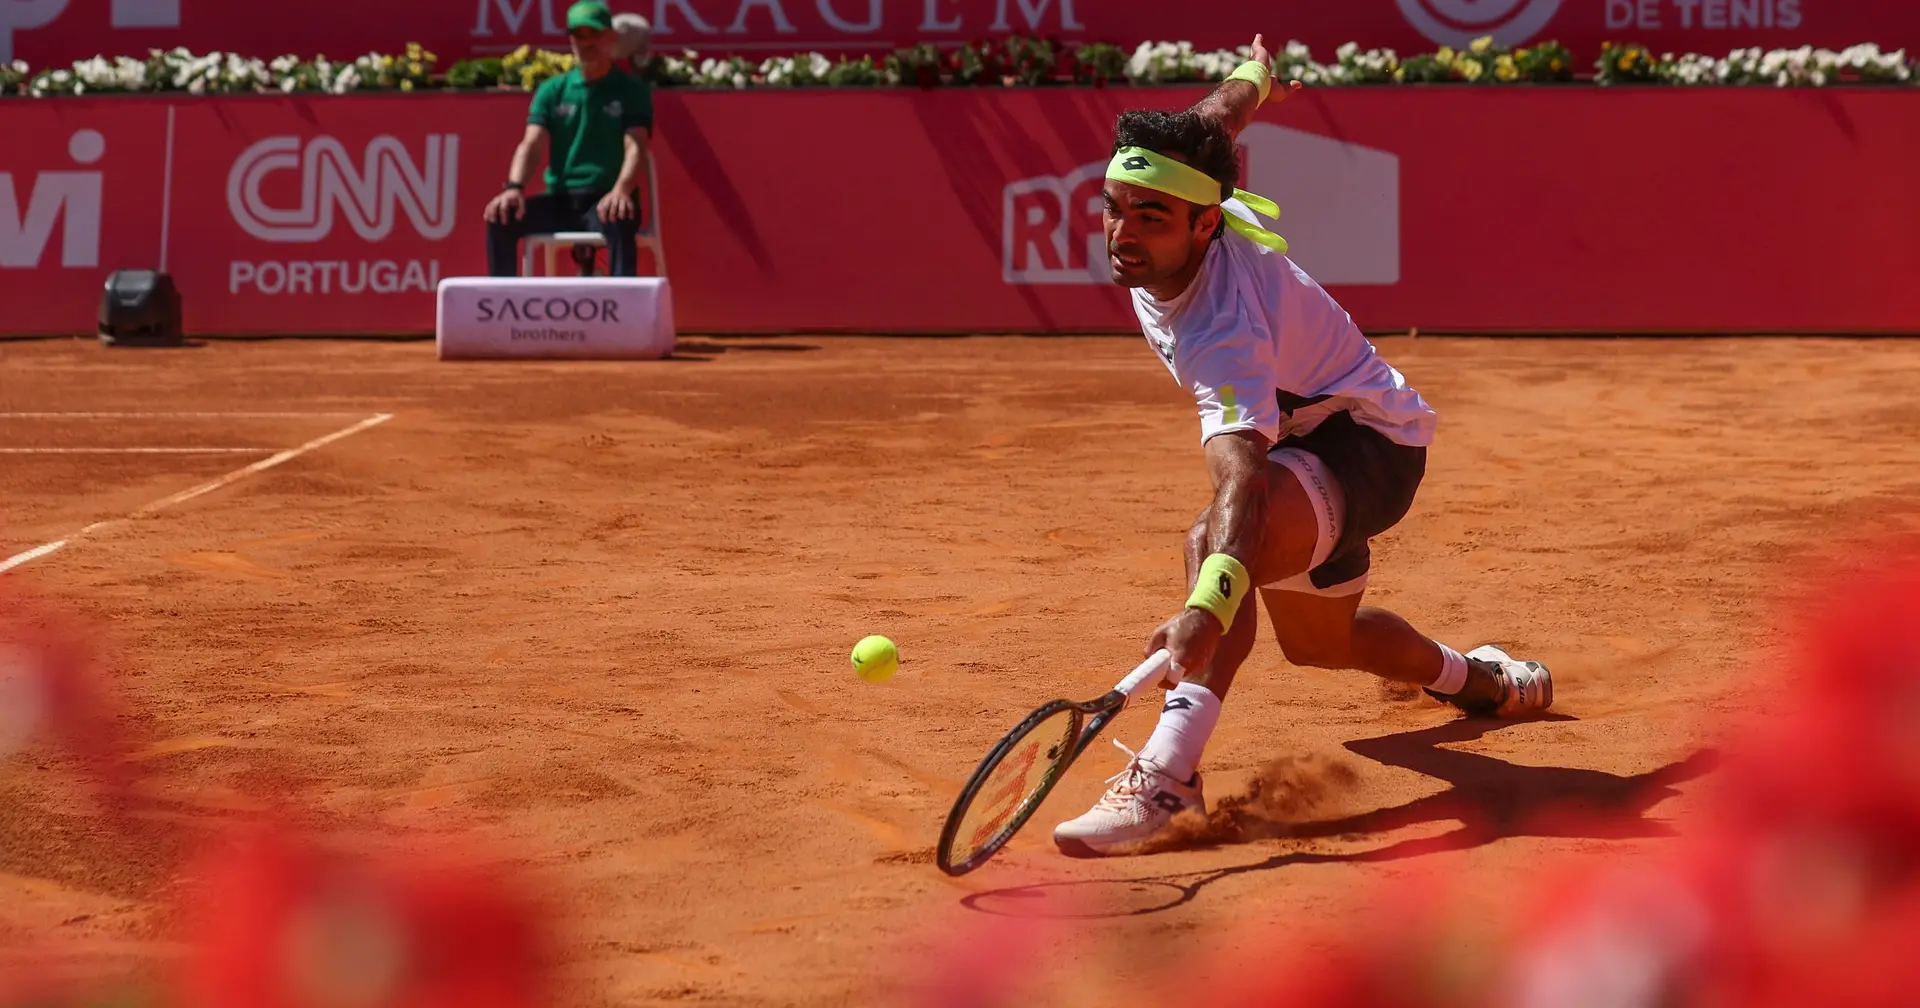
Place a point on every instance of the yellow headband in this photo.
(1142, 167)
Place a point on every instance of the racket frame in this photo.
(1089, 719)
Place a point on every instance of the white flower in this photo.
(199, 86)
(1141, 59)
(818, 65)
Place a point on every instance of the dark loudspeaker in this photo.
(141, 308)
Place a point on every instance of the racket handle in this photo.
(1151, 672)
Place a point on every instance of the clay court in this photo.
(598, 614)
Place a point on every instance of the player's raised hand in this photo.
(1281, 91)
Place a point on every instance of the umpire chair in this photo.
(585, 246)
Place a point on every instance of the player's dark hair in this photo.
(1201, 142)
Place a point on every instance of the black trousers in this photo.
(564, 211)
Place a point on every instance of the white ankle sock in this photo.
(1186, 722)
(1453, 671)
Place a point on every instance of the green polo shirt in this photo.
(586, 122)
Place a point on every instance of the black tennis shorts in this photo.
(1378, 477)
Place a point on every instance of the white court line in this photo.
(243, 416)
(130, 451)
(190, 493)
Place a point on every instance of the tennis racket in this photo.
(1023, 766)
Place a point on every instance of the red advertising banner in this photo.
(1453, 209)
(50, 32)
(274, 215)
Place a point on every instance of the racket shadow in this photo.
(1490, 797)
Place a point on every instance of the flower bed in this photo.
(1011, 62)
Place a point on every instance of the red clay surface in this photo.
(599, 613)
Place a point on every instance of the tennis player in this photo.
(1315, 445)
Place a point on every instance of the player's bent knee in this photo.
(1317, 656)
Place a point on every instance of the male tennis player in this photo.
(1315, 445)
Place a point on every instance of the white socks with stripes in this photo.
(1191, 712)
(1187, 720)
(1453, 671)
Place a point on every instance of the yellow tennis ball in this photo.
(875, 659)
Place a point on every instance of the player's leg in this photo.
(1317, 616)
(1338, 632)
(1163, 778)
(1192, 708)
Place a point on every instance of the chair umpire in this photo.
(595, 121)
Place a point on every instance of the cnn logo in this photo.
(372, 196)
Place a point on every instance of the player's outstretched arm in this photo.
(1236, 525)
(1237, 461)
(1234, 102)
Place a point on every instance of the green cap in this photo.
(589, 14)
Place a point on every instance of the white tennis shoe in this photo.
(1526, 687)
(1140, 802)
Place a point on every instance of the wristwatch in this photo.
(513, 185)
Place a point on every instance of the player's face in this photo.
(1151, 236)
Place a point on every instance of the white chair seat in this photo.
(552, 243)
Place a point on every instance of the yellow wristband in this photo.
(1219, 588)
(1255, 73)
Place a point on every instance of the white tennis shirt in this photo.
(1262, 347)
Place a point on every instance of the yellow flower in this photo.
(431, 58)
(1624, 63)
(406, 85)
(1556, 65)
(1400, 73)
(1470, 70)
(1445, 55)
(1483, 43)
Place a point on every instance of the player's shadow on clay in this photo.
(1491, 798)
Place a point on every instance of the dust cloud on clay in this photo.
(1284, 793)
